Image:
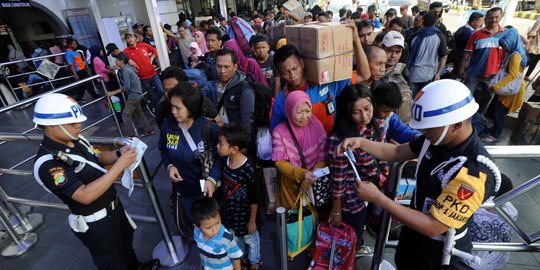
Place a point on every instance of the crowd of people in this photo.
(402, 102)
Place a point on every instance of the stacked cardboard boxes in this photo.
(326, 49)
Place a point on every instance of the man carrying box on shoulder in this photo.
(290, 66)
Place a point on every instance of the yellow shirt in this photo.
(512, 103)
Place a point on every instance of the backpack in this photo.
(263, 101)
(337, 242)
(404, 111)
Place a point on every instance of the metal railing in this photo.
(497, 152)
(50, 81)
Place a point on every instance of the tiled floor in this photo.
(59, 249)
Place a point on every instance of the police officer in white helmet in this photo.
(454, 174)
(70, 168)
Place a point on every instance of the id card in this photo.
(320, 172)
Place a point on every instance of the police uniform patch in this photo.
(57, 173)
(465, 192)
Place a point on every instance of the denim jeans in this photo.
(250, 244)
(499, 117)
(154, 88)
(479, 87)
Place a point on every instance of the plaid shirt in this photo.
(344, 177)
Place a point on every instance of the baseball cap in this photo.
(135, 26)
(391, 11)
(122, 57)
(393, 38)
(110, 48)
(308, 14)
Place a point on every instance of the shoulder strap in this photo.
(189, 139)
(302, 158)
(206, 133)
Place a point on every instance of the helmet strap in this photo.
(443, 134)
(67, 133)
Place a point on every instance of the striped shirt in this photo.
(344, 177)
(218, 251)
(487, 55)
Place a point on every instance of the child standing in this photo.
(216, 244)
(240, 191)
(132, 87)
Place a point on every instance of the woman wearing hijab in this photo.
(514, 48)
(245, 64)
(195, 55)
(201, 41)
(96, 54)
(311, 138)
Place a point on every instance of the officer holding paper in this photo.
(70, 168)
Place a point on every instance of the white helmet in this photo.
(57, 109)
(442, 103)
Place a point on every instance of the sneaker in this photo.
(490, 139)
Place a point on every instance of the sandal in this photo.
(148, 133)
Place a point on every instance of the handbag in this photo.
(322, 188)
(510, 88)
(205, 157)
(301, 226)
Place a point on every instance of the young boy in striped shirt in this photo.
(216, 244)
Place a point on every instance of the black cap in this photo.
(110, 48)
(135, 26)
(122, 57)
(391, 11)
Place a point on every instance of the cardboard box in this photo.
(333, 68)
(316, 41)
(319, 71)
(292, 33)
(343, 65)
(342, 37)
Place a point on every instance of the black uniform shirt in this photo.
(63, 180)
(469, 184)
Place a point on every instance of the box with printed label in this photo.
(316, 41)
(342, 37)
(319, 71)
(333, 68)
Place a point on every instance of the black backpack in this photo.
(263, 101)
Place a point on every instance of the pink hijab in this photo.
(196, 46)
(311, 137)
(202, 44)
(245, 64)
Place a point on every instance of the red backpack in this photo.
(337, 242)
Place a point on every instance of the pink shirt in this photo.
(101, 69)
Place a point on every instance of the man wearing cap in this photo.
(138, 30)
(428, 54)
(393, 44)
(144, 54)
(455, 174)
(308, 17)
(113, 51)
(388, 16)
(69, 167)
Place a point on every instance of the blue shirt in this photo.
(218, 251)
(318, 95)
(175, 150)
